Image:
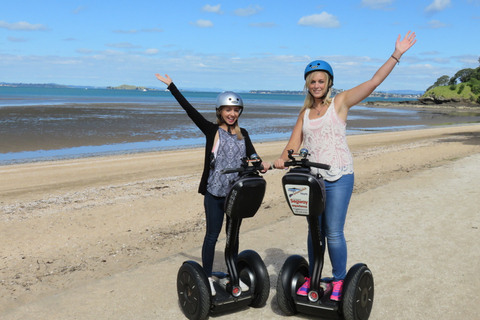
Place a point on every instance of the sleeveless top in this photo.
(325, 139)
(228, 154)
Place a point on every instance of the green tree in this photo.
(463, 75)
(476, 74)
(442, 81)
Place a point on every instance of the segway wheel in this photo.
(253, 272)
(290, 279)
(193, 291)
(358, 293)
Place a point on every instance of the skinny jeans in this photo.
(332, 222)
(214, 212)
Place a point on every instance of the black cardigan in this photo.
(209, 129)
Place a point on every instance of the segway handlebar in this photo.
(252, 164)
(303, 162)
(306, 164)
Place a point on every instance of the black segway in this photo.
(305, 194)
(193, 288)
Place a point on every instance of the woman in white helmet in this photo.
(226, 144)
(321, 128)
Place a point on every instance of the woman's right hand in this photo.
(167, 80)
(279, 164)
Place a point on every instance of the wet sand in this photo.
(103, 237)
(31, 128)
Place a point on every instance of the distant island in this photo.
(40, 85)
(377, 94)
(130, 87)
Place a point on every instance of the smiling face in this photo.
(318, 85)
(230, 114)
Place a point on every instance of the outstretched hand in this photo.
(167, 80)
(408, 41)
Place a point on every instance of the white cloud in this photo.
(151, 51)
(437, 5)
(84, 51)
(249, 11)
(436, 24)
(322, 20)
(22, 26)
(214, 9)
(15, 39)
(67, 62)
(78, 10)
(377, 4)
(202, 23)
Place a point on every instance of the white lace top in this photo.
(325, 139)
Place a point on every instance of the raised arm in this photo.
(349, 98)
(193, 113)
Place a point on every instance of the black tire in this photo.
(193, 291)
(290, 278)
(253, 272)
(358, 292)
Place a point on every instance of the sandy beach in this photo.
(103, 237)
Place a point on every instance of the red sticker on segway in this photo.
(298, 196)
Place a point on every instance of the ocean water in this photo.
(52, 123)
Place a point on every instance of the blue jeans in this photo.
(214, 212)
(332, 222)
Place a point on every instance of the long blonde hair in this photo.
(309, 100)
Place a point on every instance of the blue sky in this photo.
(233, 45)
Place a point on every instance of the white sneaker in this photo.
(223, 282)
(212, 287)
(243, 286)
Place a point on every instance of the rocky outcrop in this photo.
(424, 103)
(442, 100)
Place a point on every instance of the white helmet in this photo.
(229, 98)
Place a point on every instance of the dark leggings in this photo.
(214, 212)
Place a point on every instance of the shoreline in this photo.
(418, 104)
(70, 141)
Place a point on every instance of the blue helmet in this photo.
(319, 65)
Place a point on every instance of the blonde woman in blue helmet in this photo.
(321, 127)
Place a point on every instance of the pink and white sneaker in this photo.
(337, 290)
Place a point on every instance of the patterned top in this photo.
(229, 155)
(325, 139)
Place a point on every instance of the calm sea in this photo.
(51, 123)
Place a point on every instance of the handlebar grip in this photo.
(306, 163)
(318, 165)
(232, 170)
(241, 169)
